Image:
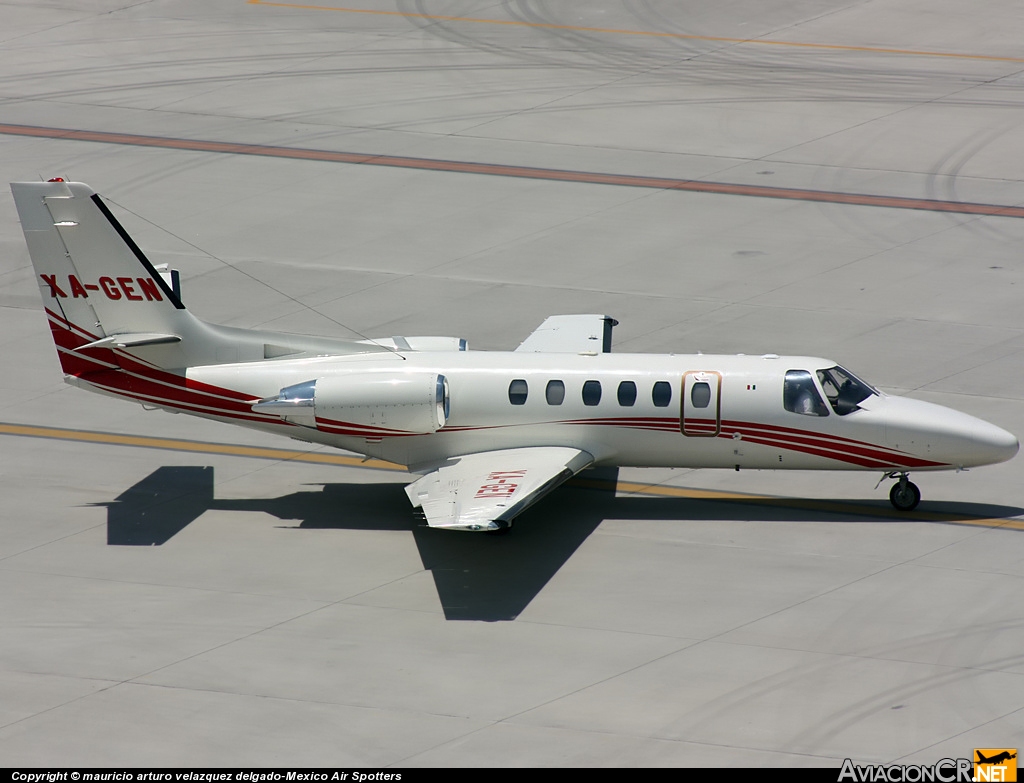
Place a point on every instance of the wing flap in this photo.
(486, 491)
(571, 334)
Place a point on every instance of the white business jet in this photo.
(490, 432)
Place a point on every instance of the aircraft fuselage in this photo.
(640, 410)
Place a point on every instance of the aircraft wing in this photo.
(571, 334)
(485, 491)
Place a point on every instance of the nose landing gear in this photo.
(904, 495)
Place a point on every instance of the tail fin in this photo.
(109, 306)
(98, 287)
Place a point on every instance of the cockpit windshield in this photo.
(844, 390)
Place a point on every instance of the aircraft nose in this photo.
(942, 434)
(998, 444)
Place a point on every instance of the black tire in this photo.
(904, 496)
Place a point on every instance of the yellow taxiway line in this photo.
(625, 487)
(648, 33)
(194, 446)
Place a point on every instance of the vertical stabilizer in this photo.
(110, 309)
(90, 272)
(99, 290)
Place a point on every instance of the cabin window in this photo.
(800, 395)
(555, 392)
(844, 390)
(591, 392)
(661, 395)
(517, 391)
(627, 394)
(700, 394)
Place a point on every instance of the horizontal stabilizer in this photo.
(132, 341)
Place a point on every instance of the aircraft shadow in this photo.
(160, 506)
(477, 577)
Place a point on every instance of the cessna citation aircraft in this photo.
(490, 432)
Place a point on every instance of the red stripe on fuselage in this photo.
(848, 450)
(117, 382)
(72, 338)
(71, 326)
(142, 381)
(360, 430)
(794, 438)
(774, 428)
(74, 361)
(818, 452)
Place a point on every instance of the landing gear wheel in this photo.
(904, 495)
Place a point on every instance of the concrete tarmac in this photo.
(179, 592)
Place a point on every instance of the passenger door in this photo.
(701, 408)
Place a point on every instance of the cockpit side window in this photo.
(800, 395)
(844, 390)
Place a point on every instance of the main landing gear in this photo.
(904, 495)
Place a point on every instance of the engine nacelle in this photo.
(365, 404)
